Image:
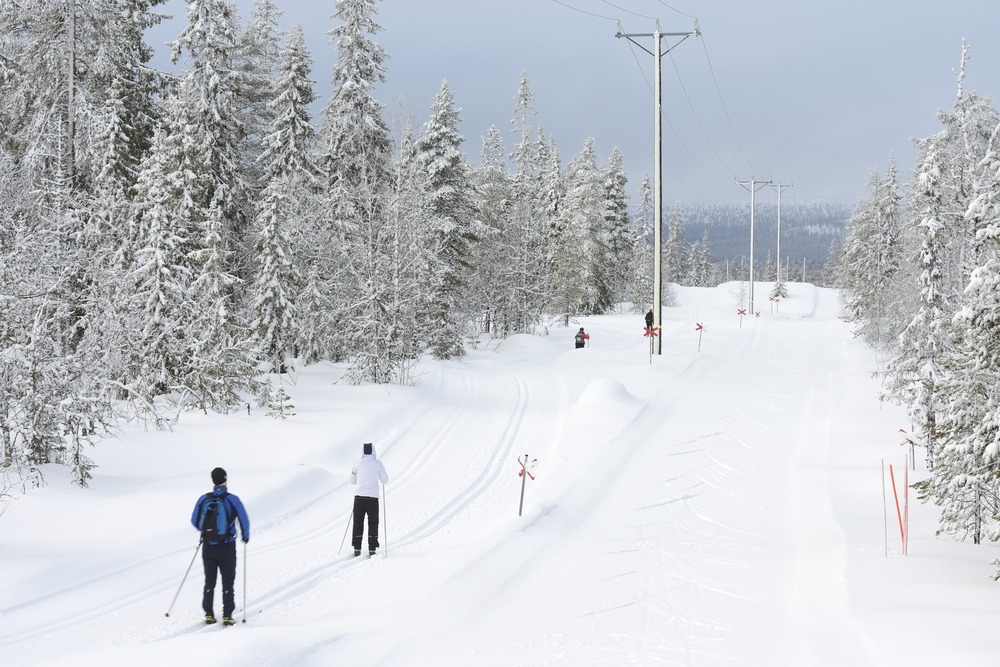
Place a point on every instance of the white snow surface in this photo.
(721, 506)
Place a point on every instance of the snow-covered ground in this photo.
(721, 506)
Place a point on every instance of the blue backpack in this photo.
(213, 520)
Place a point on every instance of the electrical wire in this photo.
(701, 126)
(628, 11)
(583, 11)
(725, 109)
(674, 9)
(666, 118)
(715, 81)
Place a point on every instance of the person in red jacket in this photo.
(581, 338)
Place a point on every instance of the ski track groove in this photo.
(488, 475)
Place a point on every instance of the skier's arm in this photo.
(382, 474)
(197, 510)
(241, 514)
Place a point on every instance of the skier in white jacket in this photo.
(366, 475)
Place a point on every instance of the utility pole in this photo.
(753, 185)
(777, 188)
(657, 54)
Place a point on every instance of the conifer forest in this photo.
(181, 241)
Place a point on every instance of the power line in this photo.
(583, 11)
(723, 102)
(628, 11)
(701, 126)
(674, 9)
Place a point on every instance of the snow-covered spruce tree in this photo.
(964, 481)
(527, 231)
(77, 108)
(915, 372)
(675, 250)
(258, 57)
(410, 283)
(161, 272)
(945, 222)
(453, 227)
(621, 240)
(640, 291)
(496, 278)
(285, 221)
(580, 284)
(212, 96)
(701, 269)
(872, 256)
(355, 154)
(202, 159)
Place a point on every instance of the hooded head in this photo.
(581, 328)
(369, 449)
(218, 476)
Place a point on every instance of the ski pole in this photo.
(244, 582)
(346, 528)
(385, 521)
(169, 609)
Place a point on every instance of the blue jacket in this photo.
(240, 513)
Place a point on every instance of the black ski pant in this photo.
(365, 505)
(219, 558)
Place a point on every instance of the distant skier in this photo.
(649, 319)
(366, 475)
(215, 515)
(581, 338)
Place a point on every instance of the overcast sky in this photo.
(816, 94)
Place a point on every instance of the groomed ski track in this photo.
(727, 446)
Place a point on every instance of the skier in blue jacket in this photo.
(366, 475)
(220, 556)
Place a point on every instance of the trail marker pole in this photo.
(700, 329)
(899, 515)
(651, 333)
(524, 473)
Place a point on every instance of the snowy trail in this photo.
(688, 511)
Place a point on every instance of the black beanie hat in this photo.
(218, 476)
(368, 448)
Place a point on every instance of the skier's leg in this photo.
(359, 523)
(211, 570)
(227, 566)
(372, 524)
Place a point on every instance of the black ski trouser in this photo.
(365, 505)
(219, 558)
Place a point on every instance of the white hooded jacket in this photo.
(366, 475)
